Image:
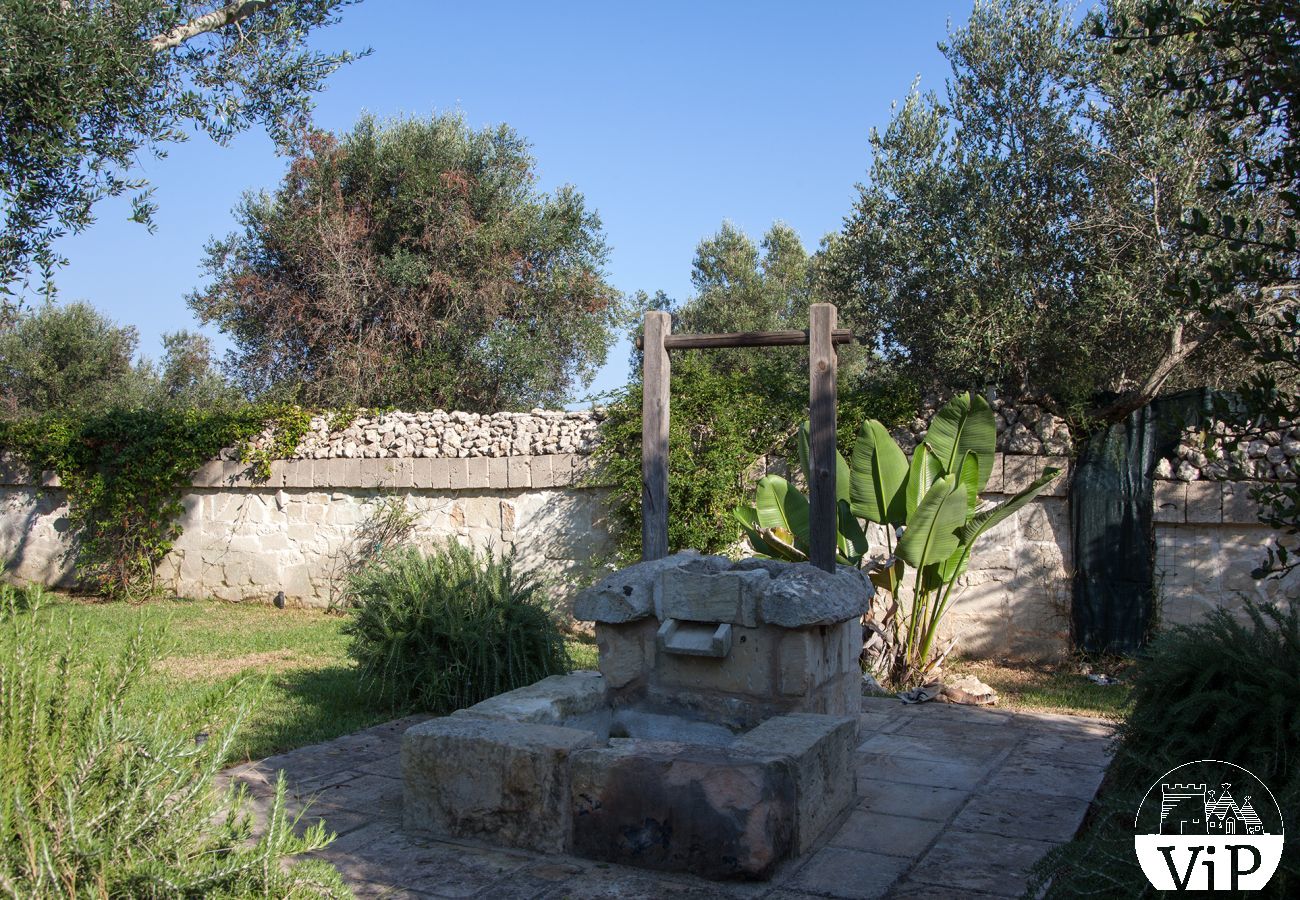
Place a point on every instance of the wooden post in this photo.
(821, 440)
(654, 437)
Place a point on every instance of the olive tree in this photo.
(89, 86)
(1018, 230)
(413, 262)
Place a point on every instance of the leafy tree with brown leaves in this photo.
(413, 263)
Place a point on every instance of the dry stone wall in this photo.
(1024, 428)
(443, 434)
(1204, 455)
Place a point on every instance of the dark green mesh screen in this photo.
(1111, 502)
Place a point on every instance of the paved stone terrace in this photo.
(955, 802)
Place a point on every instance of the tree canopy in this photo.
(70, 358)
(413, 262)
(87, 86)
(64, 357)
(1236, 66)
(1019, 230)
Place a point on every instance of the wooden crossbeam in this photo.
(744, 339)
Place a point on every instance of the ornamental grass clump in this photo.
(99, 800)
(440, 631)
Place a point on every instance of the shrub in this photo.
(96, 800)
(445, 630)
(722, 421)
(1219, 689)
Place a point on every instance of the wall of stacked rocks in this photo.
(509, 481)
(521, 481)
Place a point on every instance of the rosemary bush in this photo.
(1219, 689)
(96, 801)
(445, 630)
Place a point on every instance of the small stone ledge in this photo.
(552, 701)
(821, 751)
(559, 470)
(480, 777)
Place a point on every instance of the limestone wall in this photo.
(247, 540)
(519, 481)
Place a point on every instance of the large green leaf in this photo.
(982, 522)
(954, 566)
(964, 424)
(879, 476)
(841, 467)
(931, 535)
(782, 507)
(969, 478)
(747, 516)
(765, 542)
(852, 539)
(922, 472)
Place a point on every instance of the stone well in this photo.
(717, 737)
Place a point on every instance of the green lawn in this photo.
(290, 665)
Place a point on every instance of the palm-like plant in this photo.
(930, 509)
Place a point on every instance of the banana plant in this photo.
(930, 505)
(776, 524)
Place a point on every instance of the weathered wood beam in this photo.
(745, 339)
(823, 512)
(654, 436)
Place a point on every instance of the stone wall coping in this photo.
(560, 470)
(1013, 472)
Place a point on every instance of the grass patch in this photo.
(290, 664)
(1049, 687)
(582, 650)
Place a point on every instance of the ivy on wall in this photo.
(125, 472)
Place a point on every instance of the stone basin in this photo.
(717, 738)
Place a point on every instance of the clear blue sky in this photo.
(670, 117)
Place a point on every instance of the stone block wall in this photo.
(245, 539)
(518, 480)
(1208, 540)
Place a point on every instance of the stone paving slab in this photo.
(953, 802)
